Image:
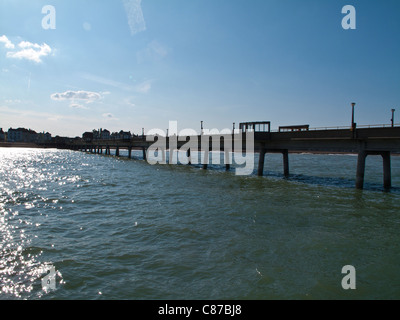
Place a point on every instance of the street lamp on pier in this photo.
(353, 124)
(393, 110)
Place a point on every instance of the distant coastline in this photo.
(19, 145)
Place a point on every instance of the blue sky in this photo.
(130, 64)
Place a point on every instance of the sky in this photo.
(133, 64)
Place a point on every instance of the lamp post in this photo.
(393, 110)
(353, 125)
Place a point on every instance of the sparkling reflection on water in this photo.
(122, 229)
(24, 175)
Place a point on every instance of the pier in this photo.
(382, 141)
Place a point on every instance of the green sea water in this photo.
(114, 228)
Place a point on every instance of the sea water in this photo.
(118, 228)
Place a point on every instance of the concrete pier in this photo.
(381, 141)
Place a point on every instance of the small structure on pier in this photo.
(264, 126)
(304, 127)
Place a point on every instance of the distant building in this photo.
(125, 135)
(87, 136)
(21, 135)
(122, 135)
(43, 137)
(2, 135)
(105, 134)
(101, 134)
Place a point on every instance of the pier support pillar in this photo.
(387, 174)
(261, 163)
(189, 156)
(362, 155)
(286, 163)
(206, 158)
(144, 154)
(130, 152)
(227, 160)
(117, 152)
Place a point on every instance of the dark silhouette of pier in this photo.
(383, 141)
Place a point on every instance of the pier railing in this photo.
(364, 126)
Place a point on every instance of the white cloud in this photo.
(27, 44)
(30, 51)
(7, 43)
(86, 96)
(134, 14)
